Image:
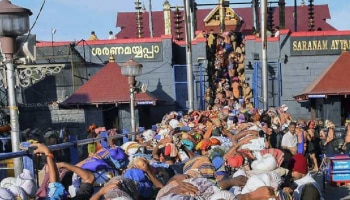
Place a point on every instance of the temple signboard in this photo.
(319, 45)
(144, 52)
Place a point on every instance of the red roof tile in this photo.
(334, 80)
(127, 20)
(107, 86)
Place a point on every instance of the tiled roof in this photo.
(107, 86)
(127, 20)
(334, 80)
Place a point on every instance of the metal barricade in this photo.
(73, 144)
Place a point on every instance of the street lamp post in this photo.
(53, 32)
(263, 10)
(14, 21)
(131, 69)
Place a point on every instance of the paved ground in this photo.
(333, 192)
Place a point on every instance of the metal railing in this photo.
(73, 145)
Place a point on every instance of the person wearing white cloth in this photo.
(289, 144)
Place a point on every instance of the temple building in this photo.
(306, 68)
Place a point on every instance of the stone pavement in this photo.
(331, 192)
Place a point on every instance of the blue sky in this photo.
(75, 19)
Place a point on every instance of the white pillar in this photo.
(264, 53)
(189, 56)
(132, 106)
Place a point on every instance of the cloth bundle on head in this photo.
(26, 181)
(170, 150)
(298, 163)
(221, 171)
(235, 161)
(206, 189)
(148, 135)
(7, 182)
(158, 137)
(187, 143)
(276, 153)
(255, 144)
(126, 189)
(197, 136)
(236, 189)
(225, 142)
(218, 151)
(130, 148)
(145, 187)
(6, 194)
(206, 143)
(18, 192)
(218, 162)
(118, 157)
(185, 127)
(163, 132)
(199, 166)
(214, 141)
(117, 193)
(56, 191)
(264, 162)
(264, 179)
(254, 128)
(22, 187)
(174, 123)
(203, 145)
(223, 194)
(95, 164)
(117, 154)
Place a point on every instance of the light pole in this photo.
(14, 21)
(53, 32)
(189, 67)
(263, 10)
(131, 69)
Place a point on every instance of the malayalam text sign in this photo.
(123, 52)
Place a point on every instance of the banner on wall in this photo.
(142, 52)
(319, 45)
